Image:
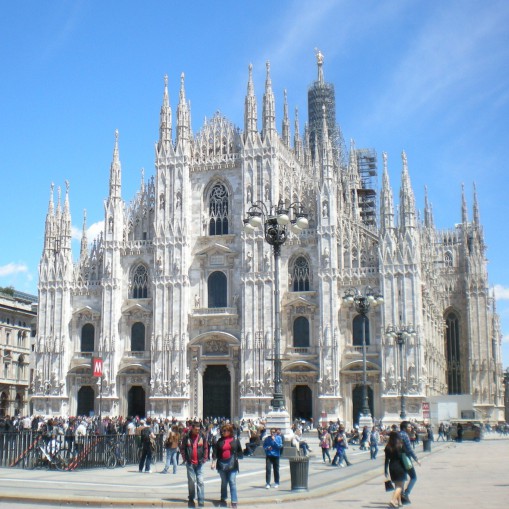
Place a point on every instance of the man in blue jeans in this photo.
(272, 446)
(195, 452)
(405, 427)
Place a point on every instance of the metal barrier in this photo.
(89, 451)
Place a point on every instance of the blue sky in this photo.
(427, 77)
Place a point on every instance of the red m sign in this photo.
(97, 366)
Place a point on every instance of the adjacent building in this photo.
(178, 300)
(18, 312)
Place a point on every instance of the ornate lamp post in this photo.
(277, 220)
(400, 335)
(362, 302)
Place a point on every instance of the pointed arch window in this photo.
(301, 332)
(138, 337)
(452, 338)
(300, 275)
(448, 261)
(87, 338)
(217, 290)
(218, 210)
(358, 330)
(140, 282)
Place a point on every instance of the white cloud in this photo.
(93, 231)
(501, 292)
(12, 268)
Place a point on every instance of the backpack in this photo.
(145, 435)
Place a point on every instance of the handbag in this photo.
(226, 466)
(389, 486)
(407, 462)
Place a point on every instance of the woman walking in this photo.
(326, 444)
(394, 466)
(225, 455)
(171, 444)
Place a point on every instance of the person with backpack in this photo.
(195, 452)
(146, 434)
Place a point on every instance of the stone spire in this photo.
(477, 220)
(464, 211)
(84, 239)
(297, 141)
(183, 115)
(250, 108)
(49, 230)
(327, 157)
(115, 172)
(428, 213)
(269, 108)
(285, 131)
(386, 200)
(165, 121)
(406, 198)
(65, 226)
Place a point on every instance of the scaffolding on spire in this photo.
(367, 167)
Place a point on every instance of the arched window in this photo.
(138, 337)
(300, 275)
(448, 259)
(87, 338)
(301, 332)
(218, 210)
(357, 330)
(217, 291)
(21, 367)
(140, 282)
(452, 337)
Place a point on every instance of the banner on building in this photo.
(425, 409)
(97, 366)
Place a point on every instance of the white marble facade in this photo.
(174, 293)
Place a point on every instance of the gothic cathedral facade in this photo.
(177, 298)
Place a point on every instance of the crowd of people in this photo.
(194, 442)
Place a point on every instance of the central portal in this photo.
(136, 401)
(217, 392)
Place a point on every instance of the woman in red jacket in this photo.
(225, 458)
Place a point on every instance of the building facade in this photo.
(178, 299)
(17, 320)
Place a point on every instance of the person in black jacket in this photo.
(195, 452)
(226, 453)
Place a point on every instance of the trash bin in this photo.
(299, 470)
(426, 445)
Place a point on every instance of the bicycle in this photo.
(47, 456)
(115, 455)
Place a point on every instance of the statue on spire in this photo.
(319, 61)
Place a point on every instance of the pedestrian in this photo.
(300, 442)
(405, 428)
(195, 450)
(395, 467)
(272, 446)
(326, 444)
(146, 436)
(341, 445)
(441, 432)
(171, 444)
(374, 438)
(226, 453)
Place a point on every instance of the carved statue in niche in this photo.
(392, 378)
(249, 197)
(325, 209)
(249, 260)
(326, 257)
(266, 261)
(196, 301)
(215, 346)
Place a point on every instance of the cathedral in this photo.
(178, 298)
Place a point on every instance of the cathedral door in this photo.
(357, 402)
(302, 402)
(86, 396)
(217, 392)
(136, 401)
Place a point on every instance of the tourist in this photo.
(226, 453)
(146, 436)
(194, 450)
(272, 446)
(326, 444)
(395, 467)
(171, 444)
(374, 438)
(405, 428)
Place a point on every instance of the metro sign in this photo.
(97, 366)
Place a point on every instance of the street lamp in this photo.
(276, 221)
(362, 302)
(400, 335)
